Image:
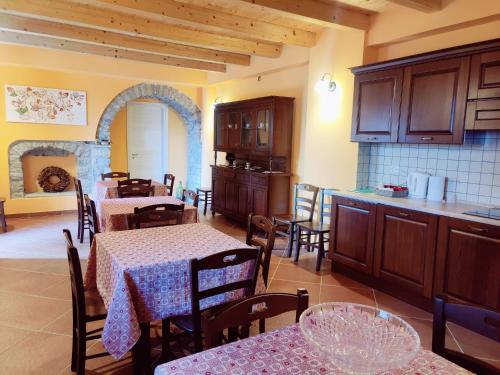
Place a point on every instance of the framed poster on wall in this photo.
(45, 106)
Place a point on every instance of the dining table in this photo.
(108, 189)
(286, 351)
(144, 275)
(113, 213)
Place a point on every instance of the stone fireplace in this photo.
(91, 160)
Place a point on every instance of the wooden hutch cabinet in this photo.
(257, 131)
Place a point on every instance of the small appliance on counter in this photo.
(489, 213)
(417, 184)
(435, 190)
(393, 191)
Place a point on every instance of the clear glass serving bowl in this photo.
(359, 339)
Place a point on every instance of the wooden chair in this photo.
(169, 180)
(190, 197)
(87, 307)
(228, 258)
(304, 202)
(477, 319)
(2, 215)
(205, 195)
(83, 222)
(261, 224)
(130, 191)
(320, 229)
(157, 215)
(134, 181)
(93, 220)
(245, 311)
(113, 175)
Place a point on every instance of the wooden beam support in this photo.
(316, 12)
(94, 17)
(205, 16)
(69, 45)
(83, 34)
(427, 6)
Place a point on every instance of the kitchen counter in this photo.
(450, 209)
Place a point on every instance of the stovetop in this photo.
(490, 213)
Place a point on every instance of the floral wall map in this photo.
(45, 106)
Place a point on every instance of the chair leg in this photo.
(79, 226)
(298, 244)
(262, 325)
(321, 251)
(82, 348)
(165, 339)
(309, 241)
(290, 240)
(82, 230)
(206, 203)
(74, 342)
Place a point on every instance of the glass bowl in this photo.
(359, 339)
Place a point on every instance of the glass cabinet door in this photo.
(233, 128)
(247, 130)
(263, 128)
(220, 131)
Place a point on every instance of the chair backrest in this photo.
(76, 278)
(190, 197)
(113, 175)
(134, 181)
(169, 180)
(129, 191)
(92, 218)
(157, 215)
(325, 204)
(480, 320)
(79, 196)
(216, 261)
(261, 224)
(245, 311)
(304, 199)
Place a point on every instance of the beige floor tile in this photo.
(37, 353)
(338, 279)
(30, 312)
(55, 266)
(331, 293)
(398, 307)
(424, 330)
(23, 264)
(107, 365)
(10, 336)
(27, 282)
(292, 286)
(292, 272)
(474, 344)
(61, 290)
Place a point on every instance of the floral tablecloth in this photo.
(113, 212)
(109, 189)
(144, 275)
(285, 351)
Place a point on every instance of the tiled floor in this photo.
(35, 307)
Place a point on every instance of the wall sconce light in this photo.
(326, 84)
(218, 100)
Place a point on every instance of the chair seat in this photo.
(290, 219)
(315, 227)
(94, 305)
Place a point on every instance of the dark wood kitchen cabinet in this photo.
(405, 247)
(468, 262)
(377, 100)
(352, 234)
(433, 101)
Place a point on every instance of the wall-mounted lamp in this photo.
(325, 84)
(218, 100)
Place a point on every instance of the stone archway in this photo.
(181, 103)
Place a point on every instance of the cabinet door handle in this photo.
(230, 126)
(426, 138)
(478, 229)
(404, 214)
(371, 138)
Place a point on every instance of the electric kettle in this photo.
(417, 184)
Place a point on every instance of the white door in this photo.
(146, 140)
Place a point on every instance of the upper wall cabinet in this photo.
(433, 103)
(428, 98)
(377, 98)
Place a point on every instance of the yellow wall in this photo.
(76, 72)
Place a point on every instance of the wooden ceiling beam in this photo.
(427, 6)
(315, 11)
(83, 34)
(70, 45)
(206, 16)
(95, 17)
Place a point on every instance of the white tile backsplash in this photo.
(472, 169)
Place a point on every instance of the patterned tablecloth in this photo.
(285, 351)
(143, 275)
(109, 189)
(113, 212)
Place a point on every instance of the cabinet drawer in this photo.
(259, 180)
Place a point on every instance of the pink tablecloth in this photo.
(284, 351)
(109, 189)
(113, 212)
(143, 275)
